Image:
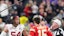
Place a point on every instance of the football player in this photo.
(14, 29)
(38, 29)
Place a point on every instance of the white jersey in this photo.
(2, 25)
(14, 31)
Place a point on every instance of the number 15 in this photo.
(41, 33)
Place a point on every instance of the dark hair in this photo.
(37, 20)
(14, 17)
(0, 0)
(63, 18)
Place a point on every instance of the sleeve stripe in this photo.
(32, 30)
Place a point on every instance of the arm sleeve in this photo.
(49, 33)
(31, 33)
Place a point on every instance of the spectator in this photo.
(62, 6)
(61, 14)
(59, 6)
(42, 8)
(54, 7)
(50, 14)
(41, 11)
(34, 8)
(6, 1)
(55, 27)
(2, 24)
(3, 10)
(2, 7)
(30, 2)
(21, 7)
(17, 7)
(42, 5)
(27, 9)
(10, 16)
(24, 2)
(13, 13)
(10, 4)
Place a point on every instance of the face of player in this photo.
(16, 21)
(54, 26)
(42, 23)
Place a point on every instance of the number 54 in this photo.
(14, 34)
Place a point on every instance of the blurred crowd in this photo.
(48, 9)
(26, 9)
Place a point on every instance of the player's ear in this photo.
(12, 21)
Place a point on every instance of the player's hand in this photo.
(6, 30)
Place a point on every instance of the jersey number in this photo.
(42, 33)
(14, 34)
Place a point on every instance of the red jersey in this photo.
(40, 31)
